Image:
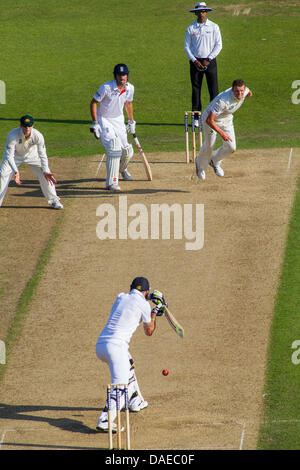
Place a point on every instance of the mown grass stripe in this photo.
(280, 428)
(26, 297)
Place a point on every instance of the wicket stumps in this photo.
(186, 122)
(119, 388)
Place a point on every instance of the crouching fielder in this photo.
(26, 145)
(109, 125)
(218, 118)
(128, 311)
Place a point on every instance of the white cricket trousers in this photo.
(207, 151)
(110, 128)
(117, 356)
(121, 368)
(6, 174)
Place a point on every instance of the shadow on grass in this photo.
(81, 122)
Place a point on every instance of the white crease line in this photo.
(100, 163)
(242, 436)
(290, 160)
(3, 436)
(13, 430)
(230, 423)
(285, 421)
(2, 439)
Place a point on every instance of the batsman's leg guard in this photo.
(127, 154)
(136, 399)
(113, 154)
(102, 423)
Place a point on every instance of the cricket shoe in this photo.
(217, 168)
(196, 122)
(136, 406)
(113, 187)
(126, 175)
(103, 426)
(56, 205)
(199, 173)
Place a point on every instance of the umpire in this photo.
(202, 44)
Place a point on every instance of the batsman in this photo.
(127, 313)
(108, 125)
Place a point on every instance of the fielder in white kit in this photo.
(128, 312)
(218, 118)
(106, 110)
(27, 145)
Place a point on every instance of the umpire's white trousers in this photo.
(6, 174)
(207, 151)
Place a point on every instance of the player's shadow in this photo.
(87, 122)
(85, 187)
(22, 413)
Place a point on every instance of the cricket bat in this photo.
(145, 161)
(174, 323)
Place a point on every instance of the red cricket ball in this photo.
(165, 372)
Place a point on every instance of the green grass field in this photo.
(281, 426)
(56, 54)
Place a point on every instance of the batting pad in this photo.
(127, 154)
(113, 153)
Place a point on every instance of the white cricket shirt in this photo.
(224, 105)
(202, 40)
(128, 311)
(112, 100)
(31, 150)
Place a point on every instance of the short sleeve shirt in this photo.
(224, 105)
(112, 100)
(127, 312)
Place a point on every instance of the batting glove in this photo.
(159, 310)
(157, 297)
(131, 127)
(95, 129)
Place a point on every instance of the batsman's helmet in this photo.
(121, 69)
(140, 283)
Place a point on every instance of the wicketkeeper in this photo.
(128, 311)
(108, 124)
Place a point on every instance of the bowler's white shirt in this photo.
(224, 105)
(128, 311)
(112, 100)
(31, 150)
(202, 40)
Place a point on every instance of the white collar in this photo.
(202, 24)
(135, 291)
(115, 86)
